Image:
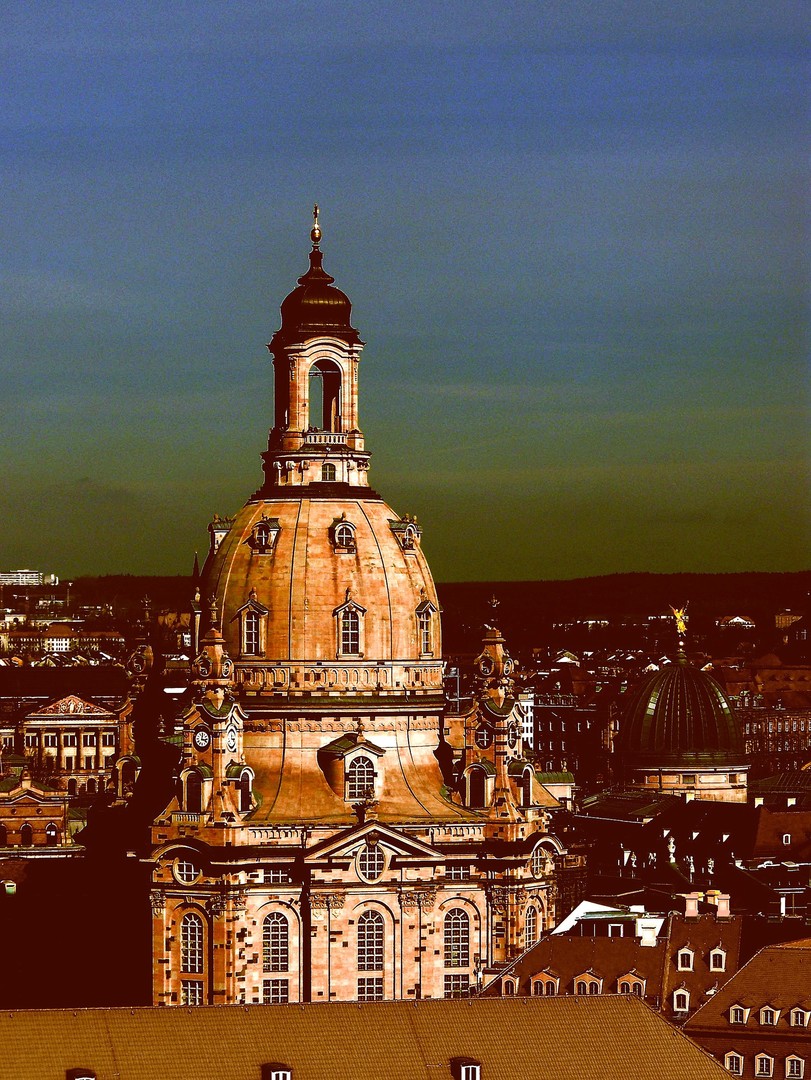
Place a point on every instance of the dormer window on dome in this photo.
(264, 536)
(426, 613)
(342, 535)
(349, 628)
(252, 618)
(407, 532)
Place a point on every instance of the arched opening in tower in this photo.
(324, 396)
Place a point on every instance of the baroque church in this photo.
(333, 837)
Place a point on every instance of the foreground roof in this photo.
(512, 1039)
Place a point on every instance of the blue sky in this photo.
(574, 235)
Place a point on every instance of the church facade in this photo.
(325, 842)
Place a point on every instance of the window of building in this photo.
(50, 742)
(277, 877)
(69, 739)
(191, 992)
(508, 988)
(275, 942)
(470, 1072)
(717, 960)
(185, 871)
(371, 862)
(191, 946)
(795, 1067)
(194, 792)
(787, 836)
(457, 986)
(370, 988)
(108, 738)
(737, 1014)
(768, 1016)
(250, 633)
(764, 1065)
(457, 872)
(26, 836)
(31, 742)
(588, 984)
(798, 1018)
(275, 992)
(684, 960)
(681, 1001)
(51, 835)
(344, 536)
(89, 738)
(530, 927)
(328, 472)
(360, 778)
(370, 942)
(245, 799)
(539, 861)
(425, 631)
(734, 1063)
(457, 938)
(349, 632)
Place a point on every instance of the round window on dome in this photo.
(185, 871)
(371, 863)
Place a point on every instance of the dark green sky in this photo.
(574, 236)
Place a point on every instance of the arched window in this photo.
(261, 535)
(551, 989)
(530, 927)
(370, 941)
(194, 793)
(681, 1001)
(457, 938)
(594, 988)
(328, 471)
(477, 788)
(734, 1063)
(72, 786)
(371, 862)
(795, 1067)
(638, 989)
(425, 628)
(191, 944)
(51, 835)
(349, 643)
(275, 942)
(764, 1065)
(360, 778)
(509, 988)
(250, 633)
(526, 788)
(128, 775)
(344, 536)
(581, 988)
(625, 988)
(245, 792)
(91, 786)
(539, 861)
(26, 835)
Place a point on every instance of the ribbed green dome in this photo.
(679, 717)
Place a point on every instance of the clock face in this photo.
(486, 665)
(201, 739)
(512, 735)
(484, 737)
(203, 666)
(226, 668)
(231, 739)
(508, 666)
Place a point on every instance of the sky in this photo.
(575, 237)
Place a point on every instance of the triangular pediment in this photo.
(400, 843)
(71, 706)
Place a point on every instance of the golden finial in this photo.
(680, 615)
(315, 232)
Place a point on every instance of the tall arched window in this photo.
(530, 927)
(370, 941)
(250, 633)
(191, 944)
(350, 632)
(26, 835)
(275, 942)
(457, 938)
(360, 778)
(51, 835)
(328, 471)
(477, 788)
(526, 788)
(245, 792)
(194, 793)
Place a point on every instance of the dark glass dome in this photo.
(679, 717)
(316, 307)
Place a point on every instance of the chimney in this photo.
(691, 901)
(647, 933)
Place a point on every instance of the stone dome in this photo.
(320, 556)
(679, 717)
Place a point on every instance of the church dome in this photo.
(316, 307)
(679, 717)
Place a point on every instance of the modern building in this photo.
(317, 848)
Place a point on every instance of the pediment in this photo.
(400, 843)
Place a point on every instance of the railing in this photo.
(325, 438)
(181, 817)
